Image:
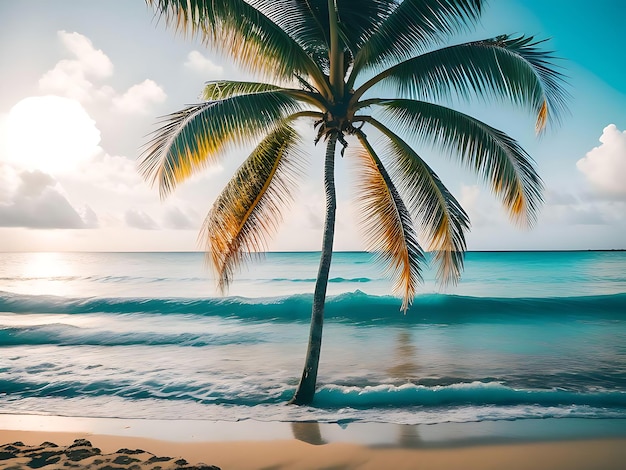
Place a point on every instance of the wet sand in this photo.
(141, 453)
(307, 451)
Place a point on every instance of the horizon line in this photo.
(319, 251)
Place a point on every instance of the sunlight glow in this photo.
(51, 134)
(45, 274)
(45, 265)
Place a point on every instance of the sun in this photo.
(50, 133)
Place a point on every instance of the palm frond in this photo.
(413, 26)
(358, 19)
(245, 33)
(307, 21)
(387, 223)
(221, 89)
(196, 136)
(491, 153)
(509, 68)
(249, 208)
(442, 220)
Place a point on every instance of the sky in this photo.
(84, 82)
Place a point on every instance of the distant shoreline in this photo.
(590, 250)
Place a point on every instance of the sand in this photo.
(121, 452)
(83, 454)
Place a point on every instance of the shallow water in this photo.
(144, 335)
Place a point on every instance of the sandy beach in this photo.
(150, 444)
(121, 452)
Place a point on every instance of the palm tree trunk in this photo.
(336, 52)
(306, 387)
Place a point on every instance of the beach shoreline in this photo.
(549, 444)
(608, 454)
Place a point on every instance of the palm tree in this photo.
(353, 68)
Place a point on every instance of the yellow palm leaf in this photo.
(249, 208)
(198, 135)
(387, 223)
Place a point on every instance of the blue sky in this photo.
(83, 83)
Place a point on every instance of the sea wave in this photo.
(329, 396)
(471, 393)
(353, 307)
(311, 280)
(70, 335)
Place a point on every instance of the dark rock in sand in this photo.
(131, 452)
(159, 459)
(80, 443)
(51, 456)
(80, 450)
(44, 458)
(125, 460)
(7, 454)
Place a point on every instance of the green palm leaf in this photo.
(197, 135)
(221, 89)
(313, 52)
(249, 208)
(503, 67)
(245, 33)
(491, 153)
(360, 18)
(413, 26)
(387, 223)
(307, 21)
(442, 220)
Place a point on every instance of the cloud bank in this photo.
(74, 78)
(139, 219)
(139, 98)
(199, 63)
(605, 166)
(37, 203)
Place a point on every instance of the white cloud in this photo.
(565, 209)
(115, 174)
(574, 214)
(605, 165)
(69, 77)
(199, 63)
(139, 219)
(74, 78)
(93, 61)
(554, 198)
(39, 203)
(90, 218)
(9, 181)
(469, 197)
(475, 205)
(140, 97)
(176, 219)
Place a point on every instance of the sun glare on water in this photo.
(51, 134)
(44, 274)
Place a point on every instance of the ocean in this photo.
(146, 336)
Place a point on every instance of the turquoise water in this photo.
(144, 335)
